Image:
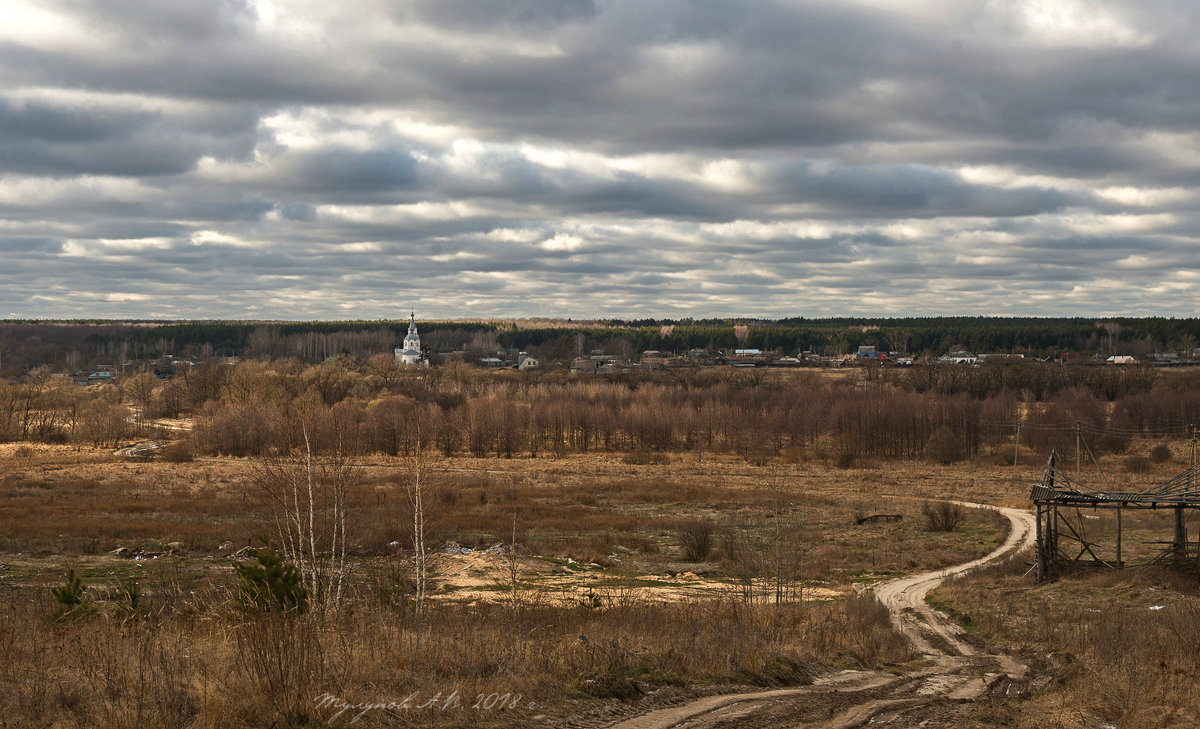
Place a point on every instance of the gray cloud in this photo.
(487, 15)
(599, 158)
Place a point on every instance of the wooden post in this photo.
(1192, 476)
(1017, 446)
(1179, 544)
(1041, 545)
(1119, 565)
(1045, 554)
(1053, 521)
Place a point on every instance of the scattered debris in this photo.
(140, 450)
(876, 518)
(168, 549)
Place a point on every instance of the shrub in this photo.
(132, 590)
(69, 597)
(647, 458)
(942, 516)
(696, 538)
(1160, 453)
(282, 665)
(944, 446)
(179, 451)
(1136, 464)
(269, 583)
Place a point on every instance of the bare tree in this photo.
(898, 340)
(513, 566)
(139, 389)
(418, 535)
(741, 332)
(782, 551)
(306, 490)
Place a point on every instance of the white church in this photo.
(409, 353)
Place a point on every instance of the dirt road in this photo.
(141, 450)
(954, 670)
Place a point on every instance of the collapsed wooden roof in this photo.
(1057, 487)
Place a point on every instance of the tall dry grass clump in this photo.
(696, 537)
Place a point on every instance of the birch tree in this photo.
(416, 500)
(306, 490)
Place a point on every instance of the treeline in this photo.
(1031, 380)
(458, 411)
(254, 408)
(24, 345)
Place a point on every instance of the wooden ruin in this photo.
(1062, 543)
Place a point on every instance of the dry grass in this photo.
(192, 661)
(1115, 649)
(61, 501)
(195, 662)
(186, 657)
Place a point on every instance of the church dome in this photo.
(410, 352)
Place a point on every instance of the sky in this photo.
(307, 159)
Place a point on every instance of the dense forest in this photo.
(68, 345)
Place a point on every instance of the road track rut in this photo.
(954, 669)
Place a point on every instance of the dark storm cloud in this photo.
(46, 123)
(30, 245)
(580, 157)
(340, 170)
(37, 137)
(149, 21)
(297, 211)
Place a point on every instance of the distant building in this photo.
(959, 358)
(409, 353)
(100, 377)
(528, 363)
(583, 364)
(1121, 359)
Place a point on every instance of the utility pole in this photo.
(1016, 445)
(1078, 437)
(1192, 475)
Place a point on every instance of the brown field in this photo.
(671, 541)
(1113, 648)
(606, 604)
